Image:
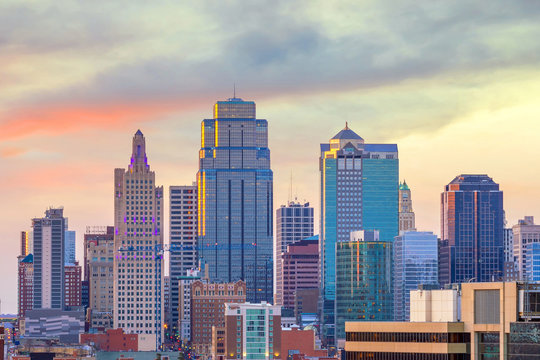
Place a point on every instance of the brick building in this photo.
(72, 284)
(296, 341)
(26, 285)
(208, 309)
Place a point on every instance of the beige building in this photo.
(99, 272)
(406, 213)
(496, 321)
(138, 241)
(434, 305)
(525, 232)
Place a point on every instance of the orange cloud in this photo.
(11, 152)
(59, 120)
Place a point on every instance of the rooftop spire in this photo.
(346, 125)
(138, 155)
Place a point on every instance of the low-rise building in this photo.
(252, 331)
(51, 323)
(296, 341)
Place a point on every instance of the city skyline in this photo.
(453, 104)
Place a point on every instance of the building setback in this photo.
(183, 242)
(49, 260)
(472, 222)
(294, 222)
(235, 199)
(359, 191)
(138, 243)
(208, 309)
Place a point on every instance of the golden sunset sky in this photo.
(455, 84)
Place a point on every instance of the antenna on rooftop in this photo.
(234, 90)
(290, 188)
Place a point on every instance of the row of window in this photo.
(408, 337)
(403, 356)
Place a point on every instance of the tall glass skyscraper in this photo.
(235, 198)
(363, 280)
(415, 263)
(359, 191)
(472, 222)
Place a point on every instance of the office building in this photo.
(296, 341)
(532, 262)
(359, 191)
(253, 331)
(184, 315)
(299, 265)
(406, 213)
(49, 259)
(508, 241)
(26, 243)
(429, 305)
(208, 309)
(294, 222)
(496, 321)
(2, 343)
(72, 284)
(69, 247)
(305, 306)
(472, 220)
(26, 285)
(54, 323)
(99, 274)
(415, 263)
(525, 232)
(363, 280)
(167, 308)
(138, 244)
(235, 199)
(183, 241)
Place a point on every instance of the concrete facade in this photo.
(524, 232)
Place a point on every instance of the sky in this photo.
(455, 84)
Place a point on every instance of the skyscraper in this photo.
(49, 260)
(183, 241)
(69, 247)
(138, 261)
(472, 221)
(363, 280)
(359, 191)
(294, 222)
(300, 270)
(415, 263)
(26, 285)
(235, 197)
(406, 213)
(525, 232)
(25, 243)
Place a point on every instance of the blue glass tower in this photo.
(415, 263)
(532, 262)
(359, 190)
(235, 198)
(472, 222)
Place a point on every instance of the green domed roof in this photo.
(403, 186)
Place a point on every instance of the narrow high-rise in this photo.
(406, 213)
(359, 191)
(472, 223)
(235, 199)
(294, 222)
(49, 259)
(183, 242)
(525, 232)
(138, 260)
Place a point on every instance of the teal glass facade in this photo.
(532, 261)
(359, 190)
(380, 193)
(363, 282)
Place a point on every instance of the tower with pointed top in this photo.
(359, 191)
(138, 244)
(406, 213)
(235, 198)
